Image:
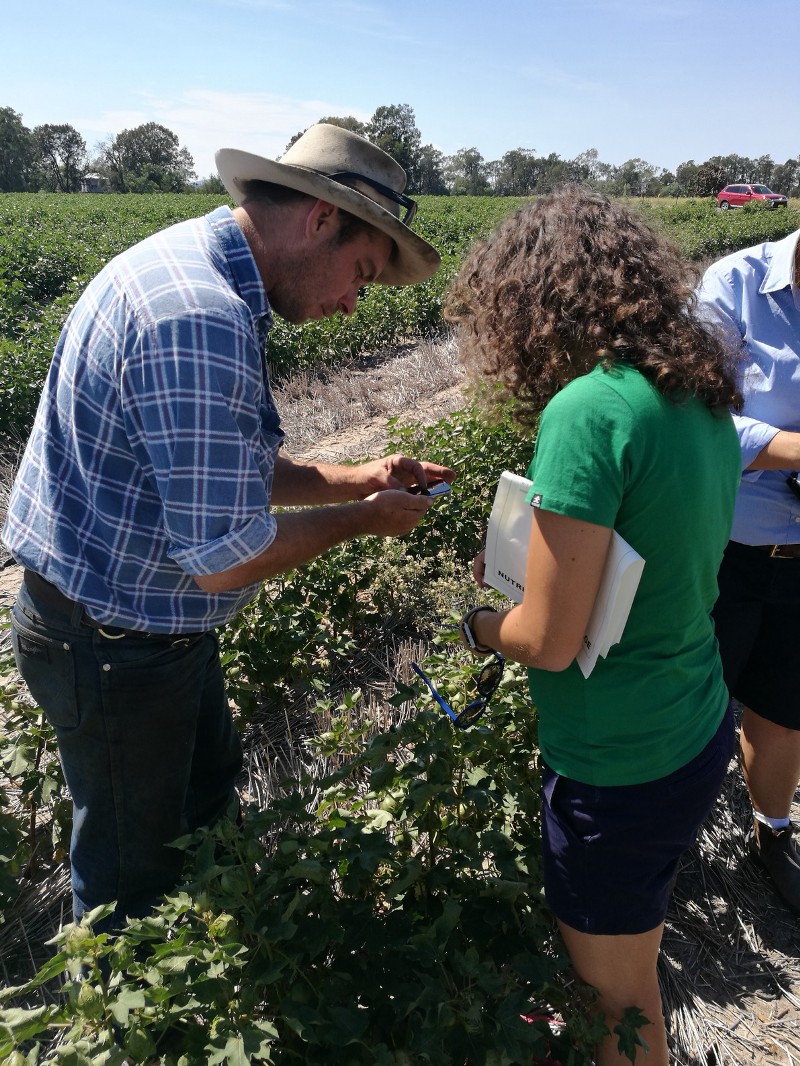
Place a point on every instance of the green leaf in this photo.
(351, 1022)
(233, 1053)
(127, 1000)
(627, 1031)
(379, 819)
(139, 1045)
(411, 873)
(97, 914)
(309, 870)
(18, 1024)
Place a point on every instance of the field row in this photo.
(52, 245)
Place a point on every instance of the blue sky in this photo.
(665, 80)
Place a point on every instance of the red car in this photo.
(736, 195)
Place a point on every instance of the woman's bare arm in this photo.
(565, 566)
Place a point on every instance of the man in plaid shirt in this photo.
(142, 508)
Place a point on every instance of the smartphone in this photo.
(435, 488)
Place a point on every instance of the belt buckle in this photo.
(785, 551)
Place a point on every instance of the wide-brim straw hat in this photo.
(335, 165)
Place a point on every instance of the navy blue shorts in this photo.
(611, 853)
(757, 619)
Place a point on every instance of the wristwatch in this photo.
(466, 628)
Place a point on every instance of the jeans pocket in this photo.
(47, 666)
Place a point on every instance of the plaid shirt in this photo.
(152, 454)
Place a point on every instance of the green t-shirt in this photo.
(613, 451)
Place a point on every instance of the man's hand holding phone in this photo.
(435, 488)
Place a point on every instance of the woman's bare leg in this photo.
(623, 970)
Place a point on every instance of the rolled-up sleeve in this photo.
(754, 436)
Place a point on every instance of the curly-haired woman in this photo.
(576, 310)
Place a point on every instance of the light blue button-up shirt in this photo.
(755, 295)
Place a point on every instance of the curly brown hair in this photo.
(575, 279)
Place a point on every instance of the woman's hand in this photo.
(479, 568)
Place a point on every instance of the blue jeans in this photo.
(147, 743)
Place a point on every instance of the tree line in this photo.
(149, 158)
(54, 158)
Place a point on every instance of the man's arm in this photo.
(761, 447)
(303, 535)
(297, 484)
(781, 453)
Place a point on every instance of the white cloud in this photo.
(109, 123)
(204, 120)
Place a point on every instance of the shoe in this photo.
(777, 852)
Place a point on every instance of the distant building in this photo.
(93, 183)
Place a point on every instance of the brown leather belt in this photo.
(779, 551)
(47, 593)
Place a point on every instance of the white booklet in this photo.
(507, 541)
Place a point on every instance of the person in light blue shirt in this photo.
(755, 296)
(143, 509)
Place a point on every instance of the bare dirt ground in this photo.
(729, 965)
